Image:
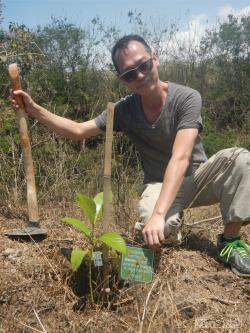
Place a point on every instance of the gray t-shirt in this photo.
(154, 142)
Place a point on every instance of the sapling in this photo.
(93, 209)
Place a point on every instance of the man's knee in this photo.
(237, 154)
(239, 160)
(242, 161)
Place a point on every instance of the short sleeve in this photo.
(189, 111)
(101, 120)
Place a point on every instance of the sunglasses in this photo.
(132, 74)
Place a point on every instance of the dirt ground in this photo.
(190, 292)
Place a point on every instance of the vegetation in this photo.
(68, 69)
(93, 208)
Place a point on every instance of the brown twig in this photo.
(155, 309)
(223, 301)
(146, 304)
(32, 328)
(203, 221)
(37, 317)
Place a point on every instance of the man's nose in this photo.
(140, 76)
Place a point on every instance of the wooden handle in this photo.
(25, 145)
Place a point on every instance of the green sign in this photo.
(137, 264)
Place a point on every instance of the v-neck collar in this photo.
(142, 114)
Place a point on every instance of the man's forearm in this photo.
(61, 126)
(172, 181)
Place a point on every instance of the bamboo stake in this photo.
(106, 191)
(107, 166)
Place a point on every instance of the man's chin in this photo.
(145, 86)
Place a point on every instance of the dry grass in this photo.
(191, 291)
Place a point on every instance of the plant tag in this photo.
(137, 264)
(97, 257)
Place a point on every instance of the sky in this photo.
(192, 16)
(39, 12)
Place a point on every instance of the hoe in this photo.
(32, 230)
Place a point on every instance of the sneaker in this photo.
(236, 254)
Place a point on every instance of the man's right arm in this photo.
(62, 126)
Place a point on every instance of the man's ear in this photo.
(118, 77)
(156, 58)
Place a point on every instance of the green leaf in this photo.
(114, 240)
(76, 259)
(78, 224)
(98, 199)
(88, 206)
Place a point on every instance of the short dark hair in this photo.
(123, 42)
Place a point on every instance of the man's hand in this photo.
(153, 232)
(29, 104)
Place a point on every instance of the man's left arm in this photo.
(153, 232)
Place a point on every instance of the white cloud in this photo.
(224, 11)
(188, 39)
(195, 30)
(185, 42)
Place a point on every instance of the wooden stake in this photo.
(107, 166)
(107, 189)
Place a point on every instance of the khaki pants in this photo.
(224, 178)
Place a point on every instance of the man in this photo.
(163, 121)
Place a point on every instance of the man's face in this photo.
(136, 57)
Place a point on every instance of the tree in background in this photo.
(68, 70)
(226, 51)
